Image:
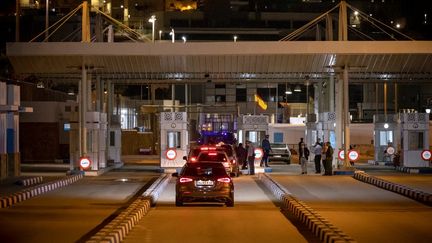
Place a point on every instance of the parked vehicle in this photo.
(228, 149)
(280, 152)
(202, 182)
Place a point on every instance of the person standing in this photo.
(317, 158)
(304, 151)
(328, 159)
(299, 149)
(242, 156)
(265, 145)
(251, 157)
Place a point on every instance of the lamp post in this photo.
(160, 34)
(235, 38)
(184, 39)
(46, 19)
(152, 20)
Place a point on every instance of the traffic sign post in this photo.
(85, 163)
(426, 155)
(171, 154)
(353, 155)
(390, 150)
(341, 154)
(258, 153)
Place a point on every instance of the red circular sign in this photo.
(390, 150)
(85, 163)
(341, 154)
(171, 154)
(353, 155)
(426, 155)
(258, 153)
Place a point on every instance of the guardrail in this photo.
(29, 181)
(120, 226)
(320, 226)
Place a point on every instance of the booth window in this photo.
(386, 137)
(278, 137)
(173, 139)
(112, 138)
(415, 140)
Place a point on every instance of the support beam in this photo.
(85, 23)
(343, 22)
(346, 118)
(82, 111)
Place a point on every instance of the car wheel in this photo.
(178, 202)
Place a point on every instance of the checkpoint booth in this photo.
(325, 128)
(253, 128)
(415, 139)
(386, 137)
(95, 156)
(174, 139)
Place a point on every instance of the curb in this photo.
(29, 181)
(320, 226)
(28, 193)
(120, 226)
(417, 195)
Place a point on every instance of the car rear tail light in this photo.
(185, 179)
(224, 180)
(212, 154)
(225, 164)
(207, 148)
(193, 159)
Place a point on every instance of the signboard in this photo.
(171, 154)
(353, 155)
(341, 154)
(426, 155)
(258, 153)
(85, 163)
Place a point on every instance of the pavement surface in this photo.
(71, 213)
(254, 218)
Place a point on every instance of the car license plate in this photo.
(204, 183)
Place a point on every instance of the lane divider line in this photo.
(116, 230)
(417, 195)
(321, 227)
(9, 200)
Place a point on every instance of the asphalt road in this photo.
(254, 218)
(70, 213)
(363, 211)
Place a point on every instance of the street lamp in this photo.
(160, 34)
(152, 20)
(184, 39)
(172, 34)
(235, 38)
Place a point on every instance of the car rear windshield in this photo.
(279, 146)
(204, 171)
(213, 157)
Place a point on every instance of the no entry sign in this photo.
(353, 155)
(85, 163)
(171, 154)
(258, 153)
(426, 155)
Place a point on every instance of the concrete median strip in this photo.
(27, 193)
(321, 227)
(116, 230)
(417, 195)
(30, 181)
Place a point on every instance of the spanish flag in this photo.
(260, 102)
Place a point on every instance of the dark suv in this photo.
(203, 182)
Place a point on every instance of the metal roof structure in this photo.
(197, 62)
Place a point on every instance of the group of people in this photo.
(323, 153)
(246, 155)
